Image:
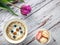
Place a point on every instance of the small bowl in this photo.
(10, 40)
(49, 36)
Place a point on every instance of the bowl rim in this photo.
(41, 29)
(10, 40)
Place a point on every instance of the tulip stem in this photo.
(14, 5)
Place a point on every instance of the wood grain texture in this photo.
(44, 14)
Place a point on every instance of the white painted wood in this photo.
(41, 10)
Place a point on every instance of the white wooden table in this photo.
(44, 14)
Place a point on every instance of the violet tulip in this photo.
(25, 9)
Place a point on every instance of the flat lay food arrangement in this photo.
(29, 22)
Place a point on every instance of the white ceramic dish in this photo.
(41, 29)
(10, 40)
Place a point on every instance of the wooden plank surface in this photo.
(45, 14)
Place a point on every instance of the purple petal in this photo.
(25, 9)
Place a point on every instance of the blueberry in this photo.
(20, 28)
(15, 25)
(21, 31)
(14, 37)
(12, 31)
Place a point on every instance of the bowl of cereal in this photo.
(15, 31)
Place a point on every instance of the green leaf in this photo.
(3, 5)
(4, 1)
(11, 0)
(21, 0)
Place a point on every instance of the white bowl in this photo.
(10, 40)
(41, 29)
